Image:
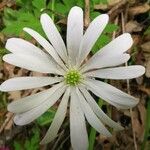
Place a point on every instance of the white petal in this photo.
(45, 44)
(54, 36)
(98, 111)
(32, 63)
(78, 132)
(20, 46)
(112, 53)
(118, 72)
(22, 83)
(108, 61)
(31, 115)
(110, 93)
(74, 32)
(32, 101)
(91, 117)
(58, 119)
(91, 35)
(118, 46)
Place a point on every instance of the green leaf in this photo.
(94, 14)
(111, 28)
(3, 51)
(147, 32)
(46, 118)
(69, 3)
(147, 126)
(17, 146)
(101, 42)
(39, 4)
(80, 3)
(64, 9)
(33, 142)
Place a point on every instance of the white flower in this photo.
(73, 76)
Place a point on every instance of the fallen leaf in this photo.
(136, 10)
(133, 26)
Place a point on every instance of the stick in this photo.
(87, 13)
(128, 88)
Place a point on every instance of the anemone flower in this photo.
(72, 78)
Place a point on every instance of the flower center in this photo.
(73, 77)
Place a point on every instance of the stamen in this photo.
(73, 77)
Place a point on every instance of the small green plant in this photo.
(32, 143)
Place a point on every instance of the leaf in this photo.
(69, 3)
(39, 4)
(46, 118)
(17, 146)
(94, 14)
(64, 9)
(147, 32)
(33, 142)
(111, 28)
(102, 41)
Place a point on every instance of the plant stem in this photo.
(147, 126)
(53, 7)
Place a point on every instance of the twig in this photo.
(128, 88)
(116, 7)
(87, 13)
(9, 116)
(116, 23)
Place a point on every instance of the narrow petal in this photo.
(22, 83)
(129, 72)
(110, 94)
(98, 111)
(31, 115)
(54, 36)
(74, 32)
(91, 35)
(108, 61)
(32, 63)
(112, 54)
(27, 103)
(118, 46)
(78, 132)
(58, 119)
(45, 44)
(20, 46)
(91, 117)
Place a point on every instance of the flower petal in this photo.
(108, 61)
(32, 63)
(91, 35)
(27, 103)
(111, 53)
(22, 83)
(118, 72)
(78, 132)
(74, 32)
(98, 111)
(110, 94)
(91, 117)
(54, 36)
(20, 46)
(58, 119)
(31, 115)
(118, 46)
(45, 44)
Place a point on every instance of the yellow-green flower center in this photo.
(73, 77)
